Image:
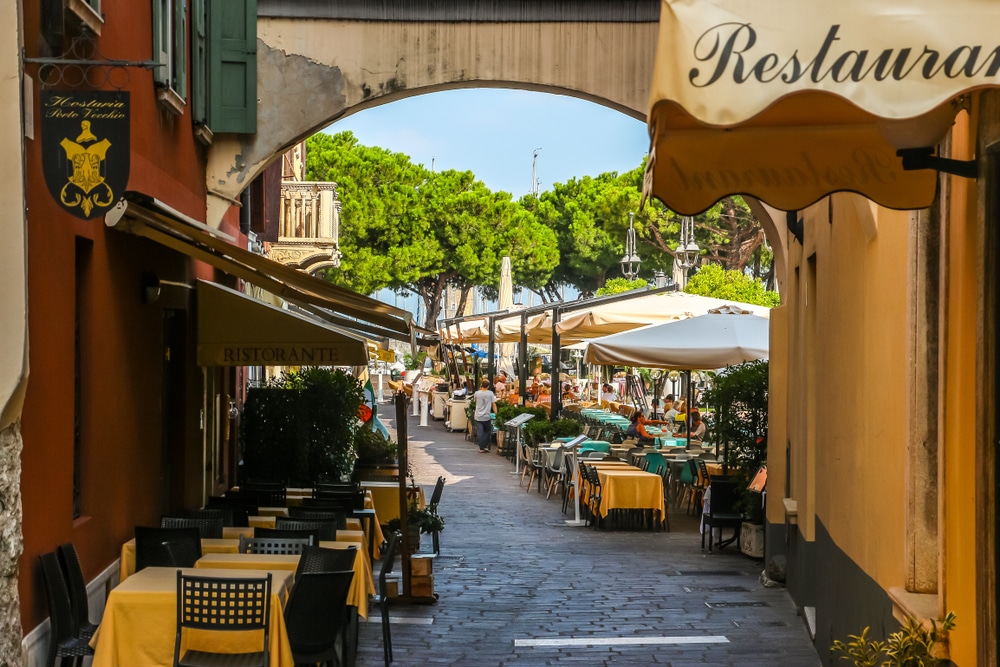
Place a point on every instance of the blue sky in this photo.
(494, 132)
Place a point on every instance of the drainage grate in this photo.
(717, 589)
(727, 605)
(710, 573)
(760, 624)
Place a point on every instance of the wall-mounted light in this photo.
(150, 287)
(915, 138)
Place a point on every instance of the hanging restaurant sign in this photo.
(789, 101)
(85, 146)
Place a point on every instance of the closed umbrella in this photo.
(506, 302)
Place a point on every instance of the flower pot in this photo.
(752, 539)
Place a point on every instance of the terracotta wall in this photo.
(120, 336)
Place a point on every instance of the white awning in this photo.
(788, 101)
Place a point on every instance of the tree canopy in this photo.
(407, 228)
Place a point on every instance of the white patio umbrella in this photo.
(724, 336)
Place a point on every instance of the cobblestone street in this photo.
(518, 586)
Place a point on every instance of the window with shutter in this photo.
(232, 70)
(170, 51)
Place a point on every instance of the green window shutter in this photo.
(179, 83)
(161, 74)
(232, 74)
(199, 62)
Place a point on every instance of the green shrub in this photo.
(911, 646)
(372, 447)
(301, 426)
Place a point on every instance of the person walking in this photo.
(486, 405)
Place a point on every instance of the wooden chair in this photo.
(222, 604)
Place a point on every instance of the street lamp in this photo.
(687, 249)
(631, 261)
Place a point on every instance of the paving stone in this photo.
(511, 569)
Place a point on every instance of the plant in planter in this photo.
(739, 395)
(373, 448)
(912, 646)
(426, 520)
(301, 426)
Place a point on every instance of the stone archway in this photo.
(312, 72)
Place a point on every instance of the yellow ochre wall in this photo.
(958, 523)
(841, 374)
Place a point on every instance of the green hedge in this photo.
(301, 427)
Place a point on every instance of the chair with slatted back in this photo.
(222, 604)
(317, 619)
(73, 575)
(151, 547)
(269, 493)
(283, 546)
(312, 534)
(382, 599)
(209, 528)
(326, 528)
(64, 639)
(338, 515)
(318, 559)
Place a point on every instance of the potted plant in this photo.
(912, 646)
(376, 454)
(426, 521)
(739, 394)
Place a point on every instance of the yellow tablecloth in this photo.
(385, 498)
(231, 532)
(261, 521)
(630, 489)
(272, 511)
(362, 585)
(208, 546)
(140, 621)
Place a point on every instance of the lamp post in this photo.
(630, 261)
(687, 249)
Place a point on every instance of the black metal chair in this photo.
(209, 528)
(327, 528)
(435, 499)
(268, 493)
(73, 574)
(64, 640)
(312, 513)
(382, 599)
(721, 513)
(222, 604)
(318, 559)
(317, 618)
(283, 546)
(313, 534)
(151, 547)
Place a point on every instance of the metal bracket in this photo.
(82, 64)
(924, 158)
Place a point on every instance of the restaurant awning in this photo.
(236, 330)
(788, 101)
(142, 216)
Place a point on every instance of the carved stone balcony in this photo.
(309, 226)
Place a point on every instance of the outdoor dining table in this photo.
(385, 499)
(140, 621)
(208, 545)
(362, 585)
(630, 489)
